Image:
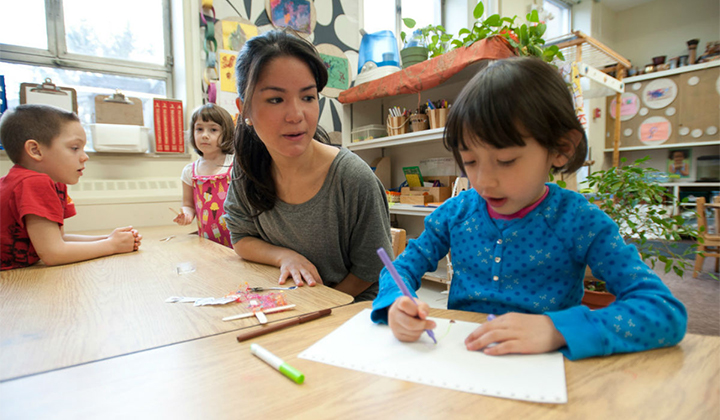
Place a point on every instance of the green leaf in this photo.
(410, 23)
(533, 16)
(493, 20)
(523, 35)
(463, 31)
(562, 183)
(478, 10)
(540, 30)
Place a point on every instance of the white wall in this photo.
(662, 27)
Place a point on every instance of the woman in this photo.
(315, 211)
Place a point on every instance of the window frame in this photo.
(57, 56)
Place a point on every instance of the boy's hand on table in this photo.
(299, 269)
(125, 239)
(516, 333)
(408, 319)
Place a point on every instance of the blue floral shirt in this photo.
(536, 265)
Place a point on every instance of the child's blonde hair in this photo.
(512, 99)
(217, 114)
(42, 123)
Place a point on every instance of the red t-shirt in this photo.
(24, 192)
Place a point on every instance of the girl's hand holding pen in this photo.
(516, 333)
(408, 319)
(183, 218)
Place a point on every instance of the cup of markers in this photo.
(437, 113)
(397, 121)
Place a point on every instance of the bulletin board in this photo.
(677, 109)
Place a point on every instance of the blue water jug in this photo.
(380, 48)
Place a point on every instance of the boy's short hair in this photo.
(42, 123)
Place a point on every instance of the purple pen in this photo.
(400, 283)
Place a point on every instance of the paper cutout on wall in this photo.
(660, 93)
(227, 70)
(232, 35)
(654, 131)
(629, 106)
(338, 67)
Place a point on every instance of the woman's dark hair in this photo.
(512, 99)
(253, 160)
(217, 114)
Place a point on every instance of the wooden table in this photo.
(54, 317)
(216, 377)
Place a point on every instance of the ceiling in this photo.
(620, 5)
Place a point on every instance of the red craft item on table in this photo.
(168, 116)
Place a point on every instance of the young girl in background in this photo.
(205, 181)
(519, 245)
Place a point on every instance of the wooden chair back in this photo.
(710, 245)
(399, 240)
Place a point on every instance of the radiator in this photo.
(104, 204)
(111, 191)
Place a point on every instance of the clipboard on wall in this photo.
(118, 109)
(47, 93)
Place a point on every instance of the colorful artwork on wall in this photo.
(660, 93)
(655, 130)
(294, 14)
(629, 106)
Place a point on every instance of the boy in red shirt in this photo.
(46, 145)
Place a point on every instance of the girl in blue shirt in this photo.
(520, 245)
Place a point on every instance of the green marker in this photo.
(277, 363)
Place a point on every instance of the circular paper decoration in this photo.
(696, 133)
(629, 105)
(654, 130)
(659, 93)
(628, 132)
(670, 111)
(636, 86)
(299, 15)
(643, 111)
(711, 131)
(684, 131)
(339, 71)
(693, 81)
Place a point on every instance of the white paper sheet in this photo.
(361, 345)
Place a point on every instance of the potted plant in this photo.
(430, 40)
(525, 39)
(633, 199)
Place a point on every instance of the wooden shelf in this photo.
(671, 72)
(666, 146)
(435, 134)
(409, 210)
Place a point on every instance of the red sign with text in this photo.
(168, 116)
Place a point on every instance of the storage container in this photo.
(368, 132)
(119, 138)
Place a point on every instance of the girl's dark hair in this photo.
(42, 123)
(217, 114)
(253, 160)
(512, 99)
(672, 153)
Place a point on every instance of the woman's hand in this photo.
(300, 269)
(408, 320)
(516, 333)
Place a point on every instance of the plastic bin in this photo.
(368, 132)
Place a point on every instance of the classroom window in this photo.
(78, 44)
(379, 15)
(560, 23)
